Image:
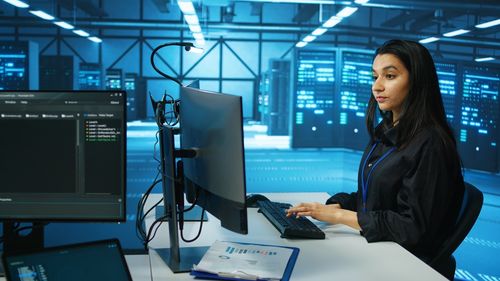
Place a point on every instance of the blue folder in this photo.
(286, 275)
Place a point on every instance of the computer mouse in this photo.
(252, 200)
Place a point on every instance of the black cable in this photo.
(199, 230)
(140, 231)
(156, 230)
(140, 215)
(193, 204)
(155, 151)
(181, 224)
(153, 229)
(151, 209)
(150, 230)
(189, 208)
(140, 206)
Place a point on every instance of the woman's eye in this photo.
(374, 77)
(390, 76)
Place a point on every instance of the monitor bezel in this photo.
(123, 217)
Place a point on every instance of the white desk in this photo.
(343, 255)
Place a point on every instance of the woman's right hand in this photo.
(316, 210)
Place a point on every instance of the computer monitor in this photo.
(63, 160)
(211, 124)
(210, 170)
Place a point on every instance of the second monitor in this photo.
(211, 124)
(211, 172)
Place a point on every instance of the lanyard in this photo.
(364, 184)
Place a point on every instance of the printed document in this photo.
(245, 261)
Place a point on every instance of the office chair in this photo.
(444, 262)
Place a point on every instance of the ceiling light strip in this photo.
(17, 3)
(488, 24)
(331, 22)
(456, 33)
(187, 9)
(484, 59)
(43, 15)
(428, 40)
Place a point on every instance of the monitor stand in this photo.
(178, 259)
(190, 256)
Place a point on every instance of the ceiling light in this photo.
(198, 36)
(361, 2)
(64, 24)
(192, 19)
(195, 28)
(186, 7)
(17, 3)
(309, 38)
(331, 22)
(319, 31)
(428, 40)
(42, 14)
(484, 59)
(456, 33)
(95, 39)
(489, 24)
(81, 33)
(200, 42)
(301, 44)
(347, 11)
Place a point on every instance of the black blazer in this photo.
(413, 195)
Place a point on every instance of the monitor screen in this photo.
(211, 124)
(63, 156)
(98, 260)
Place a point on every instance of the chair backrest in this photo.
(471, 207)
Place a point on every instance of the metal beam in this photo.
(124, 54)
(86, 6)
(401, 19)
(327, 2)
(305, 13)
(484, 5)
(73, 50)
(240, 59)
(127, 24)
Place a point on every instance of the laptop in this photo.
(99, 260)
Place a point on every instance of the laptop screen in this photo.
(100, 260)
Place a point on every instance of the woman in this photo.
(410, 184)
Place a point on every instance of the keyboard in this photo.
(289, 227)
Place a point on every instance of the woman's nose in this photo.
(377, 85)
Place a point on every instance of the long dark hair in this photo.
(423, 105)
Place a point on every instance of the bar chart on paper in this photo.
(244, 250)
